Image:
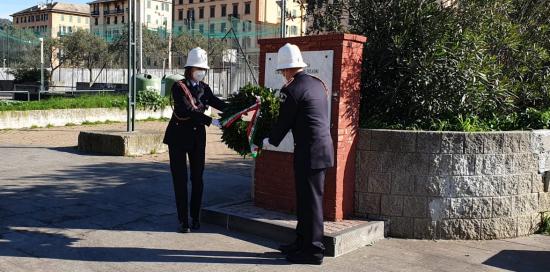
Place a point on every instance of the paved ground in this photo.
(61, 210)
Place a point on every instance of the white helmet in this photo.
(197, 57)
(289, 56)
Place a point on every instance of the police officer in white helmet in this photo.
(186, 135)
(304, 111)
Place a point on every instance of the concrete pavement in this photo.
(61, 210)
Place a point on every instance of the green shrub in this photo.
(151, 100)
(474, 65)
(544, 226)
(25, 75)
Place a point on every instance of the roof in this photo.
(83, 9)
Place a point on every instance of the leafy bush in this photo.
(464, 65)
(22, 75)
(235, 135)
(151, 100)
(544, 226)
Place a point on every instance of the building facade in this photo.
(53, 19)
(110, 16)
(250, 19)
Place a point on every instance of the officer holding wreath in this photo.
(186, 136)
(304, 111)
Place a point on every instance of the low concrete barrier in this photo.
(62, 117)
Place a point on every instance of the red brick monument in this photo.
(337, 60)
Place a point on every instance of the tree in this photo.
(54, 52)
(185, 42)
(85, 49)
(456, 65)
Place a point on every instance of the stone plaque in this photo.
(319, 63)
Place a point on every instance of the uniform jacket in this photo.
(304, 110)
(187, 125)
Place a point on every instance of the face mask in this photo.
(199, 75)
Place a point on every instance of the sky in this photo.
(8, 7)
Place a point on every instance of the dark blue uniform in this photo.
(304, 110)
(186, 136)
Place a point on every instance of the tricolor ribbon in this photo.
(251, 129)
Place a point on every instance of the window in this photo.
(247, 8)
(224, 10)
(122, 21)
(212, 11)
(70, 28)
(201, 28)
(180, 2)
(87, 21)
(17, 20)
(70, 18)
(201, 13)
(180, 14)
(79, 19)
(96, 22)
(62, 17)
(223, 27)
(116, 20)
(148, 4)
(212, 28)
(190, 14)
(108, 20)
(148, 18)
(46, 16)
(294, 31)
(235, 9)
(190, 1)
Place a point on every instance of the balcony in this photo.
(95, 12)
(117, 11)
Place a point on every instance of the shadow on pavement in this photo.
(60, 246)
(126, 196)
(521, 260)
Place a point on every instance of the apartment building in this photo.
(53, 19)
(260, 18)
(110, 16)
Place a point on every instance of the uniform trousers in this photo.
(178, 167)
(310, 184)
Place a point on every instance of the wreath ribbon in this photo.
(251, 129)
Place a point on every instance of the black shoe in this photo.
(290, 248)
(184, 229)
(196, 224)
(301, 257)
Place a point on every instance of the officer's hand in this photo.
(265, 143)
(216, 123)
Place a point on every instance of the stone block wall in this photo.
(452, 185)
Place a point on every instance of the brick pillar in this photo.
(273, 178)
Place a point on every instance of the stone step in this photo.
(340, 237)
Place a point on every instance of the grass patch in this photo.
(71, 125)
(89, 123)
(80, 102)
(544, 227)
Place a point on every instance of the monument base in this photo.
(119, 143)
(340, 237)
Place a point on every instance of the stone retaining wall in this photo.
(62, 117)
(453, 185)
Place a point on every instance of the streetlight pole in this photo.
(41, 67)
(283, 18)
